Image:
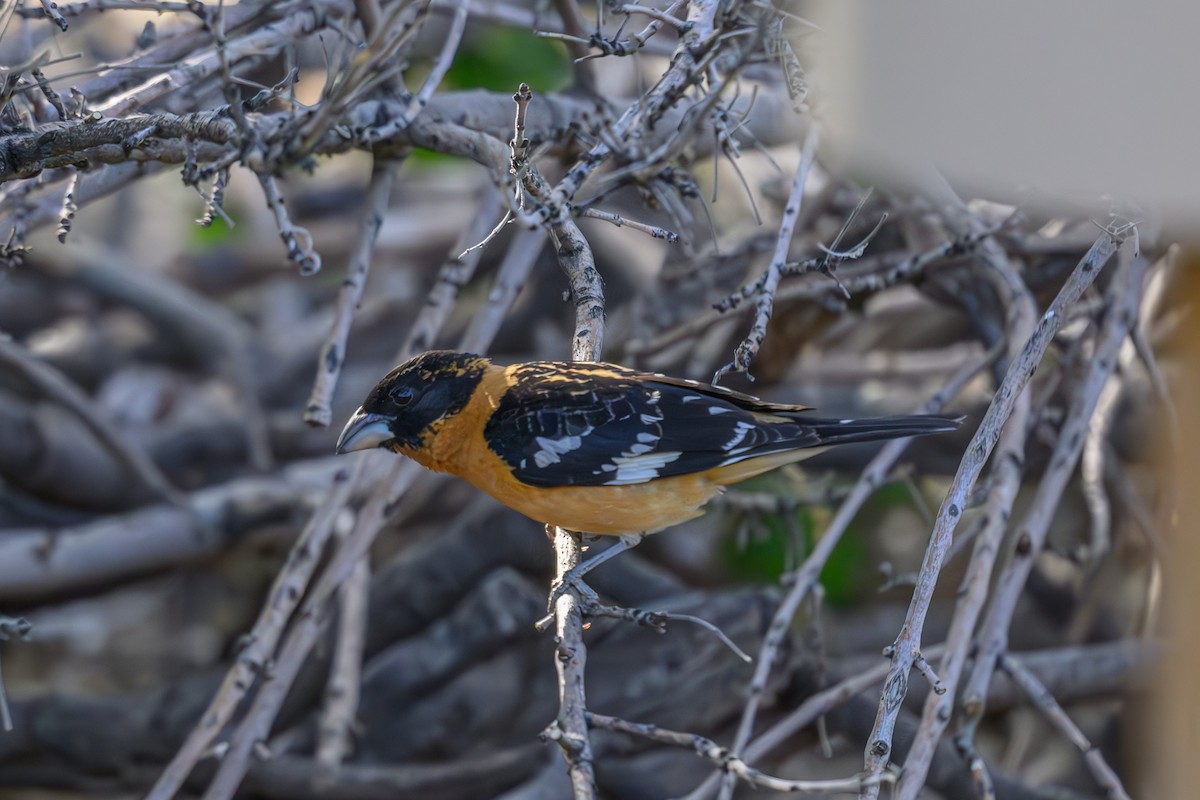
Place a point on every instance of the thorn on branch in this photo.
(922, 666)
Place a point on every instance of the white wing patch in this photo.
(652, 419)
(551, 450)
(639, 468)
(738, 435)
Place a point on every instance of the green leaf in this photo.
(503, 58)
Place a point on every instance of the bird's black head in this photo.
(403, 407)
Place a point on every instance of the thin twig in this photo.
(297, 240)
(616, 219)
(319, 410)
(726, 761)
(765, 300)
(511, 275)
(1044, 701)
(335, 730)
(452, 276)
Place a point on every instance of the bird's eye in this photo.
(402, 395)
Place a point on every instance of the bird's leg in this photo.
(627, 541)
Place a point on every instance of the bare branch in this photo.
(51, 10)
(335, 731)
(1020, 370)
(296, 239)
(1122, 298)
(1005, 480)
(765, 302)
(710, 750)
(1044, 701)
(333, 352)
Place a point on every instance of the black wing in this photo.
(571, 424)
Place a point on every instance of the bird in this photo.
(595, 447)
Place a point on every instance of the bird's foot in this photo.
(573, 577)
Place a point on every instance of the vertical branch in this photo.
(575, 257)
(574, 253)
(765, 302)
(335, 731)
(570, 729)
(1121, 302)
(587, 290)
(1004, 484)
(906, 650)
(333, 352)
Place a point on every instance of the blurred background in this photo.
(194, 297)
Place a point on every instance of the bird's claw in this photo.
(572, 580)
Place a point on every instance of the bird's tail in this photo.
(846, 431)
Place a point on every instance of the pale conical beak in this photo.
(363, 432)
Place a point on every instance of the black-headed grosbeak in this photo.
(594, 447)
